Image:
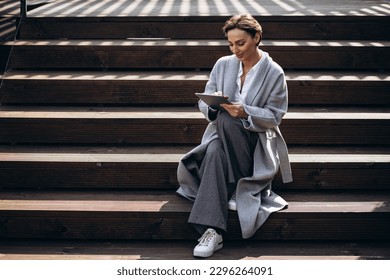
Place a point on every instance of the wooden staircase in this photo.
(96, 113)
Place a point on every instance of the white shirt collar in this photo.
(249, 78)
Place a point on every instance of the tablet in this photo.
(213, 100)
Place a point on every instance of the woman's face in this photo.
(242, 44)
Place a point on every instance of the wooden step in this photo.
(124, 8)
(9, 8)
(181, 126)
(12, 7)
(193, 54)
(182, 250)
(85, 168)
(204, 27)
(132, 215)
(130, 88)
(7, 28)
(78, 173)
(169, 88)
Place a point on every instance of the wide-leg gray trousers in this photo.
(228, 159)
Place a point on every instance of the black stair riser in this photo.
(174, 226)
(181, 92)
(192, 57)
(274, 27)
(183, 131)
(132, 175)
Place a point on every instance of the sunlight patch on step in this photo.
(304, 257)
(108, 76)
(169, 42)
(123, 8)
(69, 256)
(337, 158)
(336, 207)
(94, 158)
(101, 115)
(85, 205)
(180, 76)
(133, 204)
(175, 157)
(337, 115)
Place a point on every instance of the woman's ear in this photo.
(258, 38)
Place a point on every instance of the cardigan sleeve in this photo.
(270, 115)
(211, 87)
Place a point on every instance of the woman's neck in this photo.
(249, 63)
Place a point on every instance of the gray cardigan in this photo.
(266, 105)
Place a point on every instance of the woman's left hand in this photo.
(235, 110)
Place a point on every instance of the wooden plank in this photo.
(127, 167)
(101, 131)
(179, 126)
(120, 8)
(123, 216)
(204, 27)
(332, 93)
(167, 42)
(123, 175)
(10, 8)
(124, 92)
(104, 226)
(174, 113)
(170, 88)
(7, 28)
(182, 250)
(197, 54)
(132, 176)
(156, 154)
(130, 88)
(160, 202)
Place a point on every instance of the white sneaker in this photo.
(232, 205)
(210, 242)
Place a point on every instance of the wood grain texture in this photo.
(197, 54)
(134, 88)
(98, 106)
(182, 250)
(128, 167)
(195, 27)
(140, 216)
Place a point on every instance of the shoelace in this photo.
(206, 238)
(233, 196)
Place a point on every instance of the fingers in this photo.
(235, 110)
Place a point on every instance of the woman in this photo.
(242, 148)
